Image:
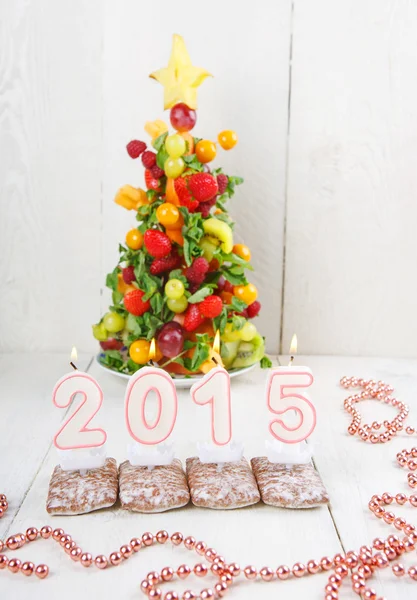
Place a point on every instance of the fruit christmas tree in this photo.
(180, 278)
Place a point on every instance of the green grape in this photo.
(248, 332)
(113, 322)
(173, 167)
(177, 305)
(174, 289)
(175, 145)
(100, 332)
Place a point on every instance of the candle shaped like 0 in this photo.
(74, 433)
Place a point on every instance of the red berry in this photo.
(193, 317)
(128, 274)
(151, 182)
(134, 304)
(111, 344)
(222, 182)
(253, 309)
(148, 159)
(182, 117)
(198, 270)
(184, 194)
(244, 313)
(135, 148)
(228, 287)
(157, 172)
(211, 307)
(203, 186)
(167, 263)
(157, 243)
(205, 207)
(221, 283)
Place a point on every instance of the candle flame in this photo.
(74, 353)
(293, 346)
(216, 343)
(152, 350)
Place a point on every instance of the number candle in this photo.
(79, 446)
(214, 390)
(148, 448)
(285, 399)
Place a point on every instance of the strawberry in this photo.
(211, 306)
(198, 270)
(157, 172)
(203, 186)
(253, 309)
(167, 263)
(151, 182)
(134, 304)
(135, 148)
(128, 274)
(184, 195)
(222, 182)
(148, 159)
(157, 243)
(193, 318)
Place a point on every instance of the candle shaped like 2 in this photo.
(75, 435)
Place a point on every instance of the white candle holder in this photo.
(82, 459)
(288, 454)
(210, 453)
(142, 455)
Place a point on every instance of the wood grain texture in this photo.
(50, 140)
(248, 52)
(351, 244)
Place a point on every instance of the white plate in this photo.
(180, 382)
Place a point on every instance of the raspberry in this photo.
(128, 274)
(228, 287)
(157, 172)
(253, 309)
(211, 307)
(151, 182)
(222, 182)
(193, 318)
(202, 186)
(167, 263)
(198, 270)
(205, 207)
(148, 159)
(157, 243)
(135, 148)
(134, 304)
(184, 195)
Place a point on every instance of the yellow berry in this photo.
(242, 251)
(227, 139)
(139, 352)
(167, 214)
(134, 239)
(248, 293)
(205, 151)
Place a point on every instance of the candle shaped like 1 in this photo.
(79, 446)
(286, 395)
(214, 390)
(148, 448)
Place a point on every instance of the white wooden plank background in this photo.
(351, 470)
(74, 90)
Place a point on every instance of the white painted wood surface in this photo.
(351, 470)
(74, 90)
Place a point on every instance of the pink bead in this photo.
(206, 594)
(200, 570)
(210, 554)
(220, 589)
(145, 586)
(4, 561)
(46, 532)
(13, 542)
(42, 571)
(126, 551)
(86, 559)
(189, 542)
(57, 533)
(313, 567)
(234, 569)
(27, 568)
(101, 561)
(250, 572)
(167, 573)
(76, 553)
(14, 565)
(171, 596)
(298, 569)
(398, 570)
(412, 572)
(266, 573)
(177, 538)
(188, 595)
(162, 536)
(183, 571)
(135, 544)
(147, 539)
(153, 577)
(200, 547)
(115, 558)
(155, 593)
(326, 563)
(31, 534)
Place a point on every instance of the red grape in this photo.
(221, 283)
(182, 117)
(111, 344)
(171, 339)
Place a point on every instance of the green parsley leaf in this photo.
(237, 305)
(234, 259)
(200, 295)
(265, 363)
(238, 323)
(157, 303)
(160, 141)
(220, 321)
(161, 157)
(235, 275)
(112, 279)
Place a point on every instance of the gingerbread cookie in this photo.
(226, 486)
(289, 486)
(75, 493)
(153, 490)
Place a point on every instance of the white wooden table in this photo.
(351, 470)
